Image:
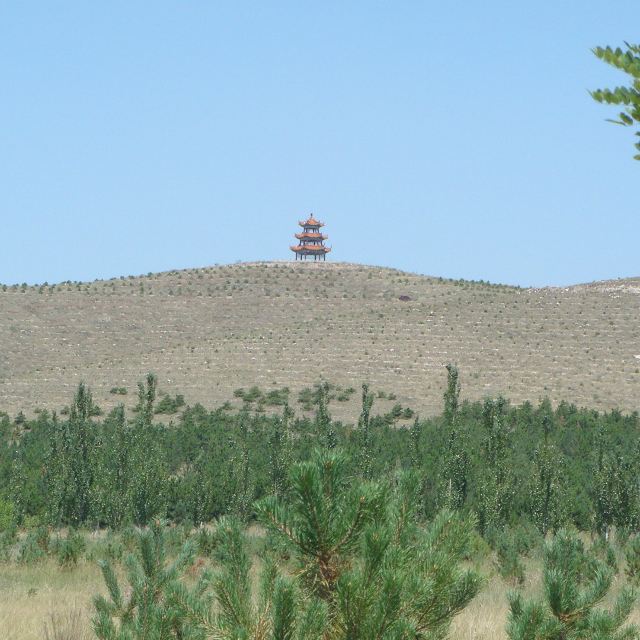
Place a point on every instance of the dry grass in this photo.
(42, 601)
(34, 598)
(207, 332)
(31, 596)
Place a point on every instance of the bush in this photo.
(170, 405)
(70, 549)
(632, 557)
(7, 515)
(118, 391)
(30, 550)
(510, 565)
(8, 538)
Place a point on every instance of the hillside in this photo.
(207, 332)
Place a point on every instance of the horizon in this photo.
(318, 264)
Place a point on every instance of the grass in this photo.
(207, 332)
(41, 599)
(34, 598)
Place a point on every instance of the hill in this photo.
(207, 332)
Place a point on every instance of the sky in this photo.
(450, 139)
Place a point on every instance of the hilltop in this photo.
(207, 332)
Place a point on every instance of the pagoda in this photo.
(311, 241)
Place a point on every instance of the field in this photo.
(209, 331)
(34, 597)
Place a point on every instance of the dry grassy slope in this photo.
(206, 332)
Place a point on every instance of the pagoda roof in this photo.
(311, 222)
(307, 235)
(311, 248)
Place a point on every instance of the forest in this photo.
(355, 520)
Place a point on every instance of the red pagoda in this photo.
(311, 241)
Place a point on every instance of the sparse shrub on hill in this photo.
(169, 404)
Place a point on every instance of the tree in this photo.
(149, 489)
(225, 605)
(71, 460)
(496, 490)
(116, 471)
(454, 473)
(145, 610)
(280, 450)
(324, 425)
(629, 62)
(546, 493)
(364, 432)
(575, 582)
(361, 552)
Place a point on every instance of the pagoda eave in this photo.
(310, 249)
(311, 224)
(311, 236)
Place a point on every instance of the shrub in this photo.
(70, 549)
(510, 565)
(170, 405)
(30, 550)
(118, 391)
(7, 515)
(632, 557)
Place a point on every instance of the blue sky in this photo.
(452, 139)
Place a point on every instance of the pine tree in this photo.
(145, 609)
(226, 606)
(361, 552)
(575, 582)
(416, 443)
(242, 488)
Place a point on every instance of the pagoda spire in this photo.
(311, 240)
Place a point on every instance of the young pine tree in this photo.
(360, 551)
(145, 609)
(228, 605)
(575, 582)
